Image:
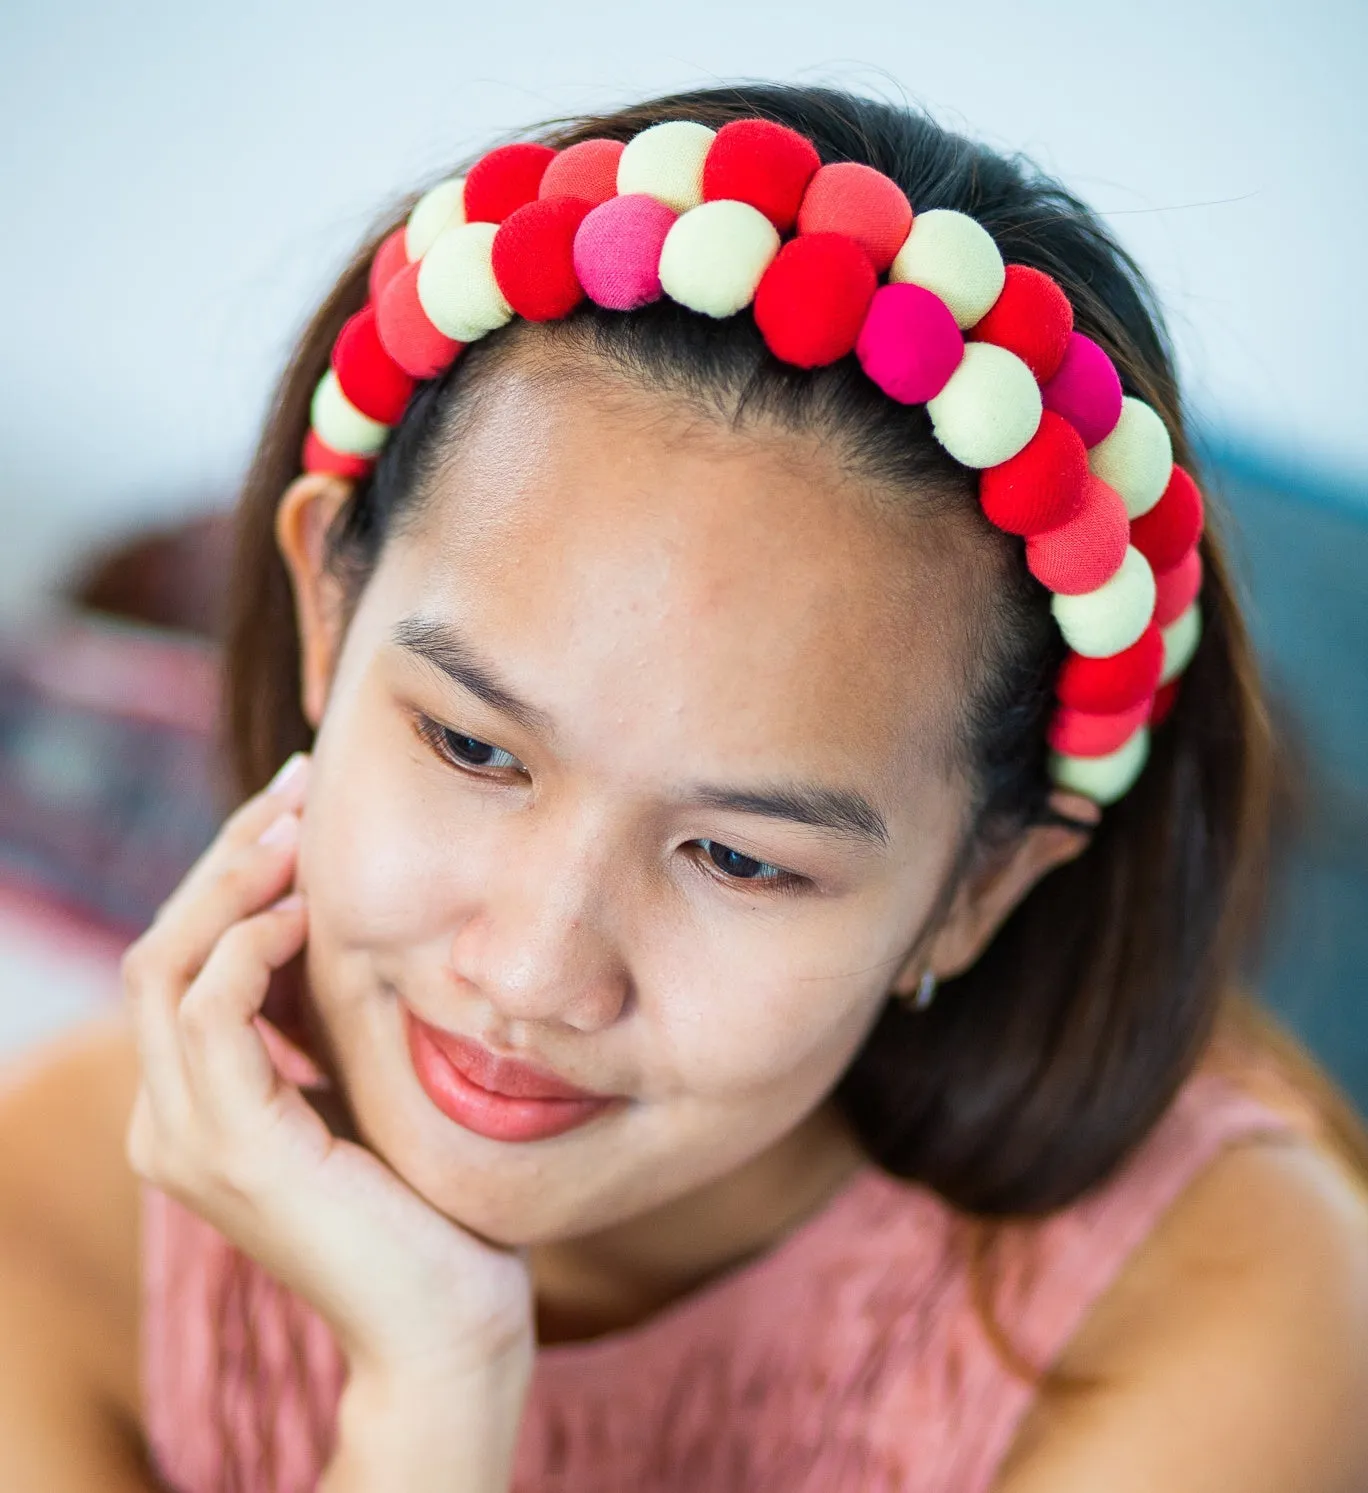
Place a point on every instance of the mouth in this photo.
(491, 1095)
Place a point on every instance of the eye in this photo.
(466, 752)
(738, 867)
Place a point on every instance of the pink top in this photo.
(849, 1357)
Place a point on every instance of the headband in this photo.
(832, 260)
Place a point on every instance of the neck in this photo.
(615, 1278)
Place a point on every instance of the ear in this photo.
(983, 902)
(303, 519)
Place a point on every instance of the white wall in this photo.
(180, 180)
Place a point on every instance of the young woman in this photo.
(733, 987)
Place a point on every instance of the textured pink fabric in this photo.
(617, 250)
(1086, 390)
(909, 344)
(848, 1359)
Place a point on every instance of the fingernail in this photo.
(281, 832)
(288, 771)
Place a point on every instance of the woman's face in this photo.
(693, 618)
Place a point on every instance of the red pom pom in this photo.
(500, 182)
(320, 457)
(812, 300)
(1079, 733)
(369, 377)
(1043, 485)
(405, 332)
(1032, 318)
(588, 170)
(533, 257)
(1164, 698)
(1176, 589)
(762, 163)
(1169, 530)
(389, 259)
(1087, 551)
(1103, 686)
(861, 203)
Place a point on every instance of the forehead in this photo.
(636, 561)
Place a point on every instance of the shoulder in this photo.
(1232, 1350)
(69, 1200)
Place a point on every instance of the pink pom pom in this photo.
(320, 457)
(368, 376)
(617, 250)
(1087, 551)
(909, 343)
(505, 178)
(1169, 530)
(1042, 486)
(405, 331)
(587, 171)
(1076, 733)
(1176, 589)
(762, 163)
(533, 257)
(389, 259)
(1103, 686)
(850, 198)
(1086, 390)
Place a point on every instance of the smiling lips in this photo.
(491, 1095)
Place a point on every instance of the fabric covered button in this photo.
(436, 210)
(1086, 390)
(390, 258)
(456, 283)
(502, 181)
(1112, 617)
(1118, 682)
(340, 424)
(666, 162)
(1086, 551)
(587, 170)
(1165, 697)
(320, 457)
(909, 343)
(406, 332)
(617, 250)
(1177, 587)
(765, 164)
(1042, 486)
(989, 409)
(714, 255)
(368, 376)
(813, 299)
(1169, 530)
(1032, 318)
(1181, 637)
(533, 257)
(1078, 733)
(862, 203)
(955, 257)
(1103, 779)
(1136, 458)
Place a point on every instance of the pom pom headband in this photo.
(832, 260)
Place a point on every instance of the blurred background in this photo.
(182, 182)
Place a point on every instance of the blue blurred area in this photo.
(1301, 549)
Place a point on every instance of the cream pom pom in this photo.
(456, 284)
(442, 207)
(666, 162)
(714, 255)
(1103, 779)
(1136, 458)
(1105, 621)
(1180, 637)
(954, 256)
(989, 408)
(339, 424)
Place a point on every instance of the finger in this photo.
(286, 791)
(230, 1071)
(185, 934)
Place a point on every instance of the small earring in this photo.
(926, 991)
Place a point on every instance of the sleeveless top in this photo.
(849, 1358)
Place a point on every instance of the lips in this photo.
(492, 1095)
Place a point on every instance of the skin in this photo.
(685, 603)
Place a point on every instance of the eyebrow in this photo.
(840, 811)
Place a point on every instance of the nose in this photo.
(534, 945)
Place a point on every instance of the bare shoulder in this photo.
(69, 1200)
(1232, 1352)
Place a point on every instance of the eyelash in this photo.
(436, 737)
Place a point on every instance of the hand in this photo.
(411, 1296)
